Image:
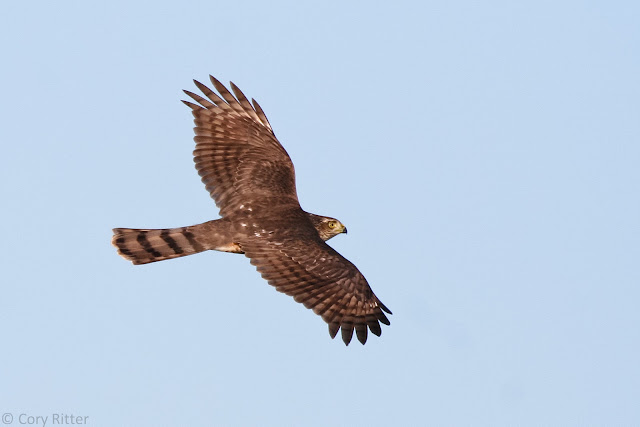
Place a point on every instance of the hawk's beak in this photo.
(344, 230)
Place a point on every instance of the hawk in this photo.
(251, 178)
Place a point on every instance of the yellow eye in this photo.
(332, 224)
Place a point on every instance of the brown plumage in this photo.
(251, 178)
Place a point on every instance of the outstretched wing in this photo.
(237, 154)
(317, 276)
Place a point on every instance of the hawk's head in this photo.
(327, 227)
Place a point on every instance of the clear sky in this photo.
(483, 154)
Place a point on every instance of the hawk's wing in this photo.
(237, 154)
(317, 276)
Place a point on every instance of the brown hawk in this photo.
(251, 178)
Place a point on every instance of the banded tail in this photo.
(142, 246)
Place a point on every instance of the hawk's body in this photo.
(251, 178)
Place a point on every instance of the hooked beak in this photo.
(344, 230)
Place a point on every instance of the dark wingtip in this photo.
(191, 105)
(347, 334)
(376, 330)
(382, 318)
(333, 329)
(361, 333)
(215, 82)
(384, 307)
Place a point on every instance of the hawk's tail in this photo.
(143, 246)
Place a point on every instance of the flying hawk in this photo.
(251, 178)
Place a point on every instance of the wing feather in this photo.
(263, 117)
(244, 102)
(212, 96)
(228, 96)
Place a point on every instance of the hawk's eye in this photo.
(332, 224)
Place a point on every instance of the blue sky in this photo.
(484, 156)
